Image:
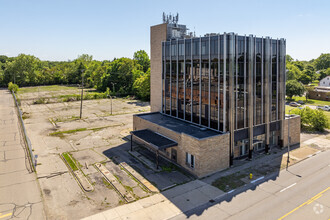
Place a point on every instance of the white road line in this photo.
(288, 187)
(260, 178)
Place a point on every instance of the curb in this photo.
(156, 191)
(106, 178)
(76, 177)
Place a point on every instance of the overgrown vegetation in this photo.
(61, 133)
(70, 161)
(233, 181)
(312, 119)
(12, 87)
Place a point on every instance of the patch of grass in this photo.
(87, 96)
(60, 133)
(169, 168)
(128, 188)
(227, 183)
(70, 161)
(40, 101)
(106, 183)
(25, 115)
(66, 119)
(100, 128)
(45, 88)
(310, 101)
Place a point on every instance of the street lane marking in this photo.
(306, 203)
(288, 187)
(315, 198)
(260, 178)
(5, 215)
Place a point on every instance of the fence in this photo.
(26, 139)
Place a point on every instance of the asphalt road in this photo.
(20, 196)
(302, 192)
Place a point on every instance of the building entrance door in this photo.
(174, 155)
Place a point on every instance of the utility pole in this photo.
(110, 104)
(82, 92)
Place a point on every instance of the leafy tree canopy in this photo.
(322, 62)
(294, 88)
(142, 58)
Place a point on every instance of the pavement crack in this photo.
(53, 175)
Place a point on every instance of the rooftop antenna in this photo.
(170, 19)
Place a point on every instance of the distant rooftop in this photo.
(179, 126)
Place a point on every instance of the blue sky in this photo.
(63, 29)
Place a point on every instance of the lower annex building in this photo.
(215, 98)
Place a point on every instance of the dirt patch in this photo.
(47, 191)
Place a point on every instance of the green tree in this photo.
(119, 76)
(3, 58)
(322, 62)
(305, 78)
(142, 58)
(299, 64)
(22, 70)
(294, 88)
(288, 58)
(324, 73)
(293, 72)
(142, 86)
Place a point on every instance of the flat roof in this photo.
(178, 125)
(157, 141)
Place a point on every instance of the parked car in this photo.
(301, 102)
(294, 104)
(324, 108)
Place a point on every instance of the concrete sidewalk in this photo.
(194, 194)
(20, 196)
(165, 205)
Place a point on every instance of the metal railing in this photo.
(26, 138)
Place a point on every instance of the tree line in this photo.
(123, 76)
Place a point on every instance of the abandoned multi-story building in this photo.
(214, 98)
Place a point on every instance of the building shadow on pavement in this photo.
(194, 196)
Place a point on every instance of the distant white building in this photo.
(325, 82)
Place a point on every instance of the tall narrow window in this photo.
(190, 160)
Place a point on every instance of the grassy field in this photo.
(45, 88)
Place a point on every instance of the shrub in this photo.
(312, 119)
(12, 87)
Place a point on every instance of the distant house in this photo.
(325, 82)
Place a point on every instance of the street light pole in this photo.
(82, 92)
(289, 140)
